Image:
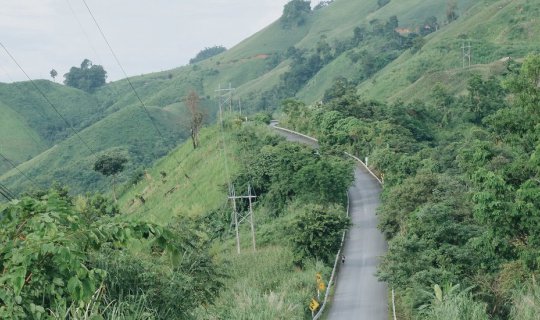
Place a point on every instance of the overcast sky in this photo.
(147, 35)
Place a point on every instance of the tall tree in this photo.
(111, 164)
(53, 74)
(197, 117)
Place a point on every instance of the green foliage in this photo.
(485, 97)
(110, 163)
(45, 243)
(174, 281)
(88, 77)
(460, 200)
(455, 304)
(526, 303)
(294, 13)
(262, 117)
(207, 53)
(315, 233)
(280, 171)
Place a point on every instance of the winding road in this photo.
(358, 294)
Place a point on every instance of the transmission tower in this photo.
(225, 98)
(238, 219)
(466, 51)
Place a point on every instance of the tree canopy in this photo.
(295, 13)
(460, 201)
(88, 77)
(207, 53)
(110, 163)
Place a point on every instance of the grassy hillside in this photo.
(29, 125)
(263, 69)
(495, 29)
(77, 107)
(127, 130)
(175, 194)
(191, 184)
(19, 142)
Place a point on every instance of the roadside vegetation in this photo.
(457, 146)
(87, 257)
(460, 203)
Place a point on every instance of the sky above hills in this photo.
(146, 35)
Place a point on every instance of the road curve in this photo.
(358, 294)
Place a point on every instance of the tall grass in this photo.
(453, 303)
(460, 307)
(526, 303)
(265, 285)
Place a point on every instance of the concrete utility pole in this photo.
(233, 197)
(466, 51)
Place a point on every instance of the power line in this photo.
(48, 101)
(4, 191)
(143, 105)
(16, 168)
(100, 61)
(123, 70)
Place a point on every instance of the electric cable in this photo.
(16, 168)
(4, 191)
(128, 79)
(48, 101)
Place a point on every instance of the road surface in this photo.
(358, 294)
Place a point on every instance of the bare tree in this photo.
(197, 117)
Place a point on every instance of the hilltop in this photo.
(398, 51)
(456, 145)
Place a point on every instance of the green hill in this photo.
(351, 39)
(191, 184)
(447, 160)
(127, 130)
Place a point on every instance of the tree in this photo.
(430, 25)
(294, 13)
(110, 164)
(197, 117)
(207, 53)
(451, 11)
(485, 97)
(316, 232)
(88, 77)
(53, 74)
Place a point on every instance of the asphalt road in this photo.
(358, 294)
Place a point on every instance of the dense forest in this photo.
(460, 204)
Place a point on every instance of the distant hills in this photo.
(398, 51)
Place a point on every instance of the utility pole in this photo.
(235, 217)
(237, 223)
(225, 97)
(466, 51)
(251, 219)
